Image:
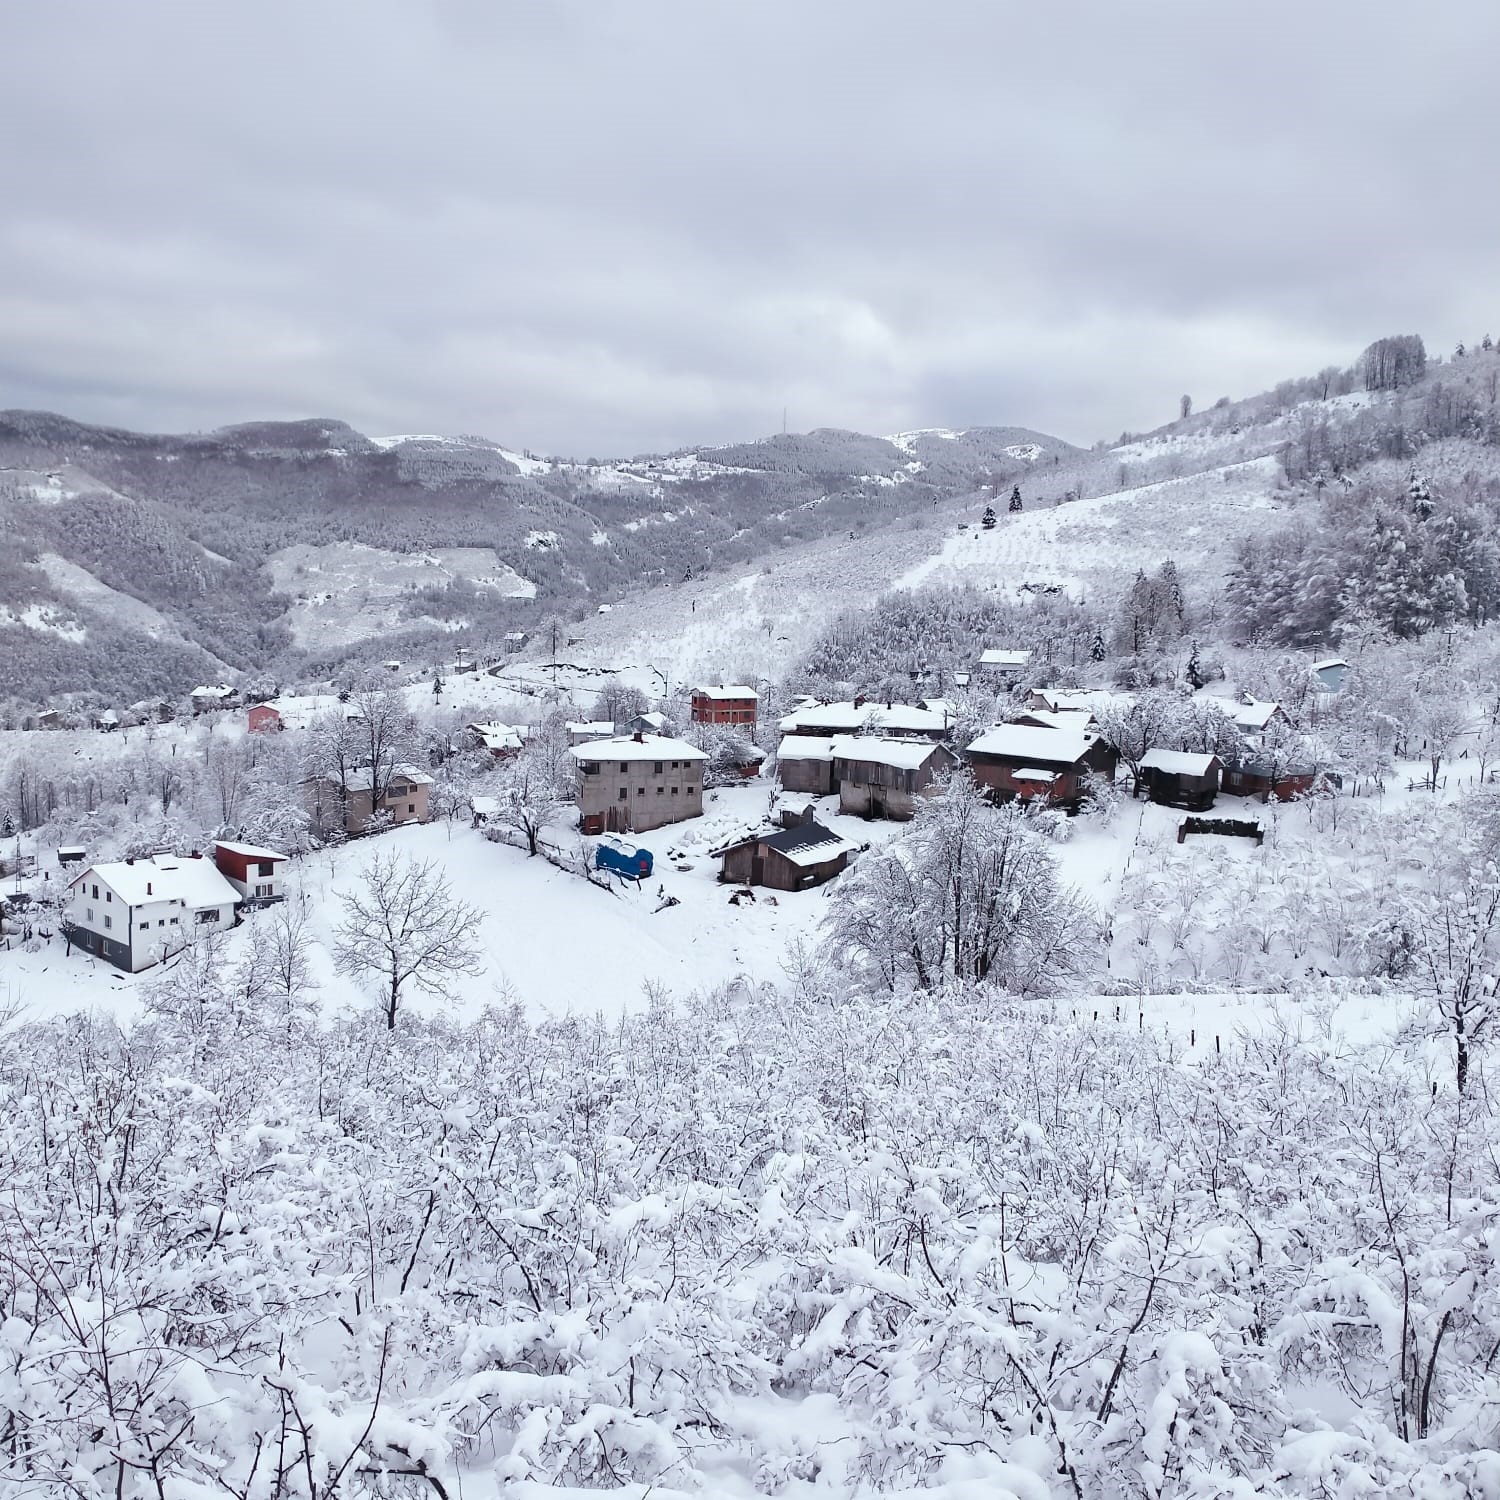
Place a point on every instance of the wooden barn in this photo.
(263, 719)
(885, 778)
(786, 859)
(1039, 762)
(1180, 778)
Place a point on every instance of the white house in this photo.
(221, 695)
(133, 912)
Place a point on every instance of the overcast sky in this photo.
(603, 227)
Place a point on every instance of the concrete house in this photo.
(730, 703)
(885, 778)
(353, 804)
(634, 784)
(1039, 762)
(582, 732)
(786, 859)
(255, 873)
(135, 912)
(503, 741)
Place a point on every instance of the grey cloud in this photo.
(592, 228)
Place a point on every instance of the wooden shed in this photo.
(786, 859)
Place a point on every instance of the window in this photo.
(109, 921)
(210, 914)
(591, 768)
(96, 893)
(656, 768)
(176, 920)
(145, 927)
(624, 793)
(264, 868)
(624, 765)
(161, 921)
(674, 791)
(88, 914)
(109, 895)
(411, 807)
(661, 791)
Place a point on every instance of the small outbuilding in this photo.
(254, 872)
(786, 859)
(1265, 779)
(1180, 778)
(262, 718)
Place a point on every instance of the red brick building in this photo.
(730, 704)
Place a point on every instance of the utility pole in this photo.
(554, 653)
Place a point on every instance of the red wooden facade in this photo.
(262, 718)
(725, 706)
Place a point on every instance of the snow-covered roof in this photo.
(1034, 773)
(604, 728)
(250, 851)
(222, 690)
(1033, 745)
(999, 658)
(900, 755)
(655, 720)
(197, 883)
(363, 779)
(1060, 718)
(1179, 762)
(498, 736)
(1329, 661)
(1254, 715)
(805, 747)
(901, 718)
(647, 747)
(727, 690)
(809, 844)
(942, 706)
(484, 806)
(72, 849)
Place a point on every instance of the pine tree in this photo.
(1195, 676)
(1419, 493)
(1488, 343)
(1098, 650)
(437, 682)
(1015, 499)
(989, 518)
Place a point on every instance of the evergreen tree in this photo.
(989, 518)
(1015, 499)
(1195, 675)
(437, 682)
(1419, 494)
(1098, 651)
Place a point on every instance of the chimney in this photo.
(197, 854)
(639, 738)
(148, 887)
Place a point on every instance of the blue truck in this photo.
(622, 859)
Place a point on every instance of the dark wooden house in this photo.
(786, 859)
(1181, 778)
(1263, 779)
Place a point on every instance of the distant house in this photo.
(1041, 718)
(503, 741)
(582, 732)
(262, 718)
(647, 723)
(71, 854)
(727, 704)
(863, 715)
(880, 777)
(1330, 672)
(786, 859)
(135, 912)
(49, 718)
(1066, 700)
(1003, 666)
(1255, 718)
(206, 699)
(152, 708)
(1180, 778)
(634, 784)
(1039, 762)
(353, 804)
(252, 871)
(106, 719)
